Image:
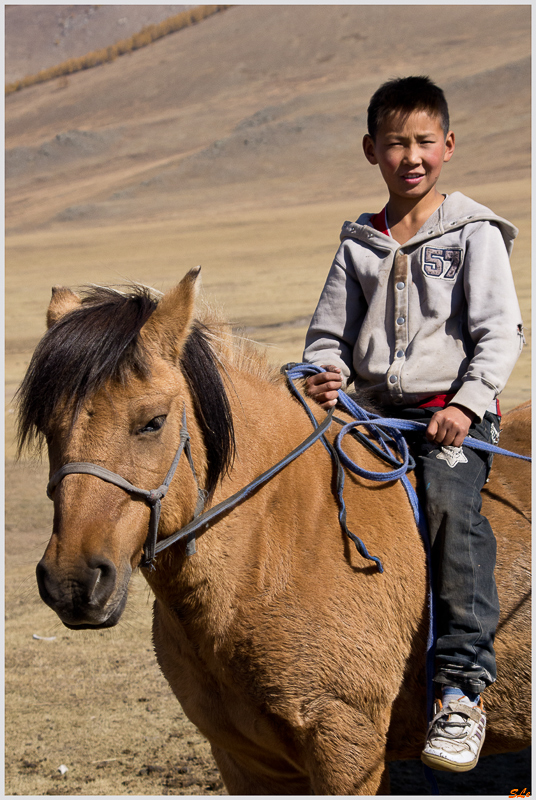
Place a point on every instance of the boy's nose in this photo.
(412, 156)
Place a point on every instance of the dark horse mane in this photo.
(99, 342)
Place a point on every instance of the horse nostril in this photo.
(103, 580)
(41, 575)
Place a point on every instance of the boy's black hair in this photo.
(415, 93)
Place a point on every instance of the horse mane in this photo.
(99, 342)
(95, 342)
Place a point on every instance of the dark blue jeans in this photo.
(463, 551)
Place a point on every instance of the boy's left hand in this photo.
(450, 426)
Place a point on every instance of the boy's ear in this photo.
(369, 149)
(449, 146)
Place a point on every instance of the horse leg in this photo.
(242, 780)
(347, 754)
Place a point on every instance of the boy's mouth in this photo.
(412, 177)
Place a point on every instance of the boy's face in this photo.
(410, 151)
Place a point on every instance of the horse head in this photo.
(108, 385)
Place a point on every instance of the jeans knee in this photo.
(442, 500)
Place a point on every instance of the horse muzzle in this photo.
(88, 595)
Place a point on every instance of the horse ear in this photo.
(169, 325)
(62, 301)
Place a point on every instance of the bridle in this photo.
(153, 497)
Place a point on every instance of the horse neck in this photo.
(268, 425)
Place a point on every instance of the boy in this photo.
(420, 306)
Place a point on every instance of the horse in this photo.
(300, 662)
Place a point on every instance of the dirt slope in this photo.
(234, 144)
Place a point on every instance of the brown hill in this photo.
(236, 143)
(262, 94)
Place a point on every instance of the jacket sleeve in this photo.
(338, 317)
(493, 318)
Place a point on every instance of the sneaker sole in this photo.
(444, 765)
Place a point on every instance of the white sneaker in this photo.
(455, 736)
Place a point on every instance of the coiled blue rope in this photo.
(365, 418)
(295, 372)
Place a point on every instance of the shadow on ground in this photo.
(494, 775)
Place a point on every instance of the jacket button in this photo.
(400, 321)
(400, 285)
(393, 379)
(399, 353)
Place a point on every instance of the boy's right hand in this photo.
(324, 387)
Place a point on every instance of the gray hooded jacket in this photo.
(436, 315)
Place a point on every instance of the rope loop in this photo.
(391, 475)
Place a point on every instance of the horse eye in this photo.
(154, 425)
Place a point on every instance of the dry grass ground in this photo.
(234, 144)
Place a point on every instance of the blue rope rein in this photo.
(295, 372)
(365, 418)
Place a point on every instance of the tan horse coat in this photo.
(302, 665)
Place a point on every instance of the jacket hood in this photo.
(456, 211)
